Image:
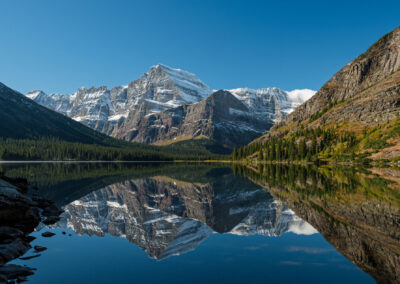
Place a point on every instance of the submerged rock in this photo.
(30, 257)
(48, 234)
(39, 248)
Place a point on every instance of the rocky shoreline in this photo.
(21, 211)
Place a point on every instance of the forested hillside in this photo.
(353, 117)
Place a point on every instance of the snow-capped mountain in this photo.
(168, 217)
(272, 103)
(102, 109)
(147, 109)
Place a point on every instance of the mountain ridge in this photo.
(120, 111)
(23, 118)
(355, 116)
(381, 60)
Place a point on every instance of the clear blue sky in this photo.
(59, 46)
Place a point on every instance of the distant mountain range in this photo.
(166, 105)
(22, 118)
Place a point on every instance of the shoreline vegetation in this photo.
(50, 149)
(334, 145)
(246, 163)
(313, 148)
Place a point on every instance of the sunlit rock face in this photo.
(168, 217)
(105, 110)
(169, 103)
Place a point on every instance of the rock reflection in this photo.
(166, 217)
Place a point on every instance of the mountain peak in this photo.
(221, 93)
(33, 95)
(171, 69)
(163, 66)
(190, 87)
(225, 100)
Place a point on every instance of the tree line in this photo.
(53, 149)
(303, 145)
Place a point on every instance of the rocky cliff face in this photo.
(167, 104)
(168, 217)
(102, 109)
(365, 91)
(221, 117)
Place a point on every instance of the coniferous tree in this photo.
(234, 154)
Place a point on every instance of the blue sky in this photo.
(59, 46)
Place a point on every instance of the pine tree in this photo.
(234, 154)
(260, 156)
(302, 149)
(314, 145)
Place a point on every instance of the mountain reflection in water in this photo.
(169, 209)
(169, 217)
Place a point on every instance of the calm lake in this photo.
(213, 223)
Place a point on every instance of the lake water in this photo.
(212, 223)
